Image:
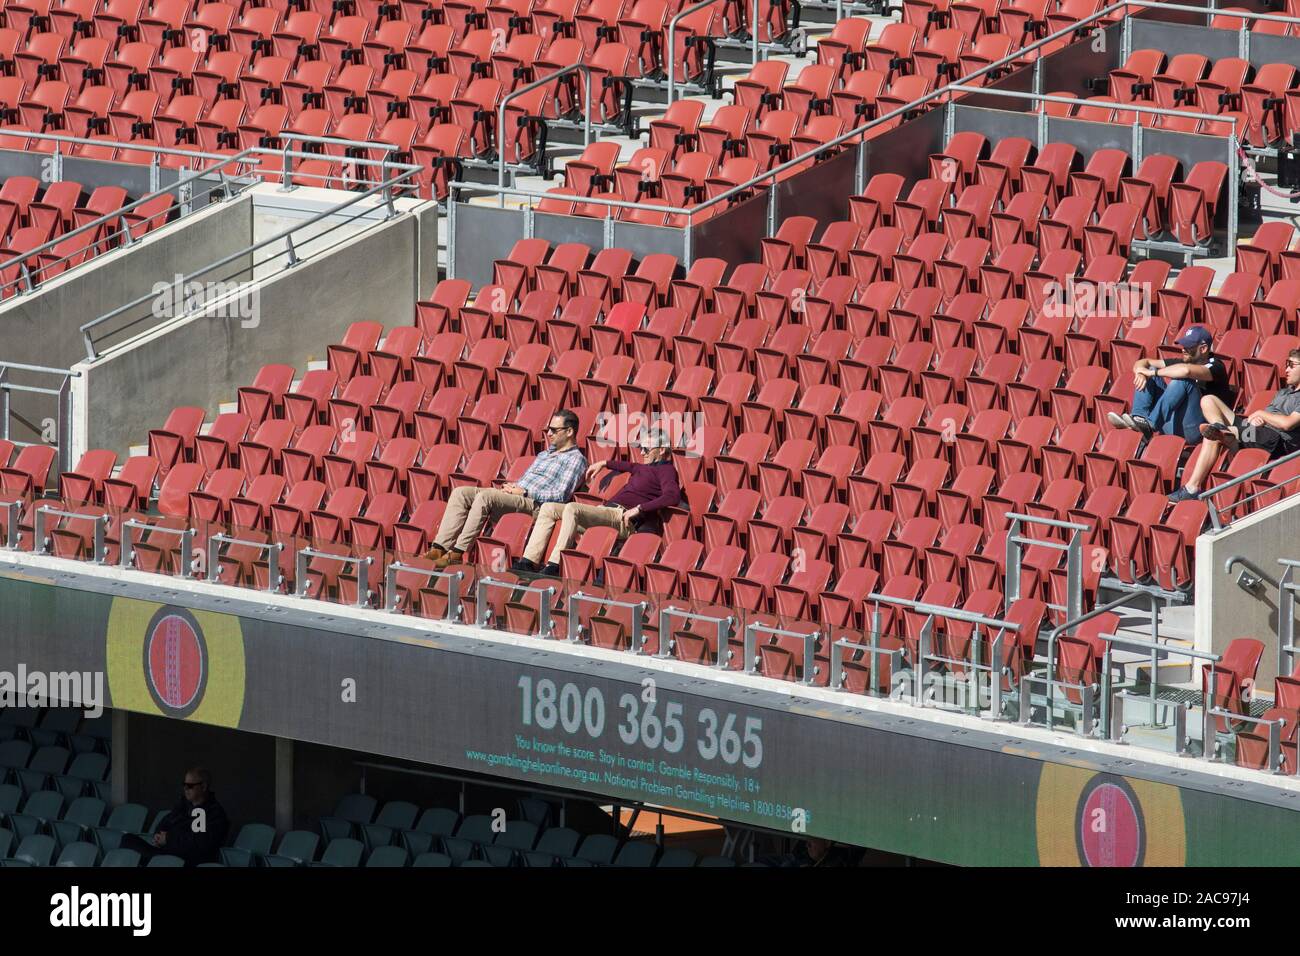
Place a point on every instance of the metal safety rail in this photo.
(1072, 623)
(809, 639)
(944, 93)
(723, 626)
(925, 655)
(581, 68)
(1114, 701)
(99, 546)
(707, 86)
(400, 178)
(1288, 588)
(454, 580)
(362, 565)
(577, 632)
(51, 432)
(274, 550)
(545, 595)
(1073, 548)
(1209, 495)
(843, 646)
(186, 563)
(230, 181)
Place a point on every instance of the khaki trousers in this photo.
(573, 518)
(468, 509)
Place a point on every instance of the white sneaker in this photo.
(1129, 422)
(1117, 420)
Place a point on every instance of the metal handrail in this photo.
(952, 613)
(186, 534)
(1073, 623)
(549, 78)
(282, 236)
(301, 583)
(453, 579)
(47, 511)
(810, 640)
(545, 626)
(274, 551)
(114, 144)
(1072, 101)
(723, 624)
(1207, 496)
(636, 638)
(838, 648)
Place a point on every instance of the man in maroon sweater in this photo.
(654, 485)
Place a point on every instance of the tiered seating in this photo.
(32, 215)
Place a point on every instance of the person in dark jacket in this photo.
(196, 828)
(653, 486)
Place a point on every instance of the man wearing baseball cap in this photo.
(1168, 394)
(1276, 429)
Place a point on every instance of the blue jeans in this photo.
(1173, 407)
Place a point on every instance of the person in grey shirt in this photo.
(1276, 429)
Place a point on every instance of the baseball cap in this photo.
(1194, 336)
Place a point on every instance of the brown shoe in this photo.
(434, 553)
(450, 558)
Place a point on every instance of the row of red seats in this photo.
(31, 217)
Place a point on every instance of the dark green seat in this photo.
(297, 848)
(387, 856)
(435, 824)
(78, 853)
(475, 863)
(11, 798)
(6, 843)
(14, 755)
(722, 861)
(124, 818)
(599, 848)
(35, 850)
(555, 844)
(86, 771)
(507, 849)
(342, 851)
(254, 840)
(41, 809)
(164, 859)
(637, 853)
(121, 857)
(353, 811)
(79, 820)
(46, 763)
(472, 833)
(56, 727)
(396, 815)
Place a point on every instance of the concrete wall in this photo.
(204, 358)
(43, 328)
(1223, 609)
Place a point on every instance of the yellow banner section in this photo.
(175, 662)
(1086, 818)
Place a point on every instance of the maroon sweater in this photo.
(651, 488)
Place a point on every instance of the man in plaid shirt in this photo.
(553, 477)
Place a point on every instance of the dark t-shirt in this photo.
(1218, 385)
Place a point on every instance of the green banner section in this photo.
(623, 732)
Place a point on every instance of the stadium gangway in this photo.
(1017, 542)
(925, 636)
(1216, 511)
(1071, 624)
(453, 579)
(362, 565)
(182, 188)
(1135, 154)
(63, 414)
(945, 93)
(274, 551)
(403, 172)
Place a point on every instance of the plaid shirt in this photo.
(554, 476)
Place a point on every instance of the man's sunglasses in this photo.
(552, 428)
(1292, 363)
(192, 786)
